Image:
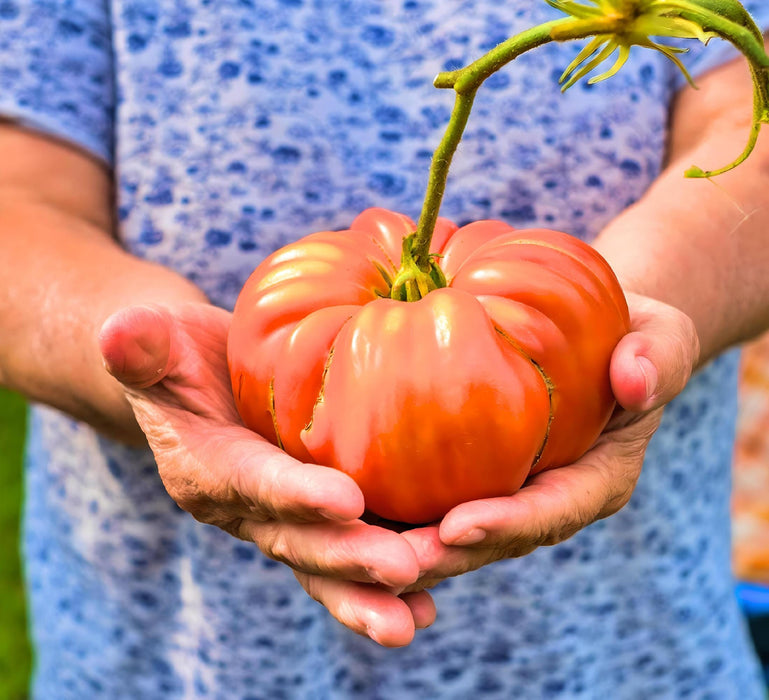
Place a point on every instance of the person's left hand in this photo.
(171, 361)
(649, 367)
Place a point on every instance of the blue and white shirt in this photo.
(235, 126)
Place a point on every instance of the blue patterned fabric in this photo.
(236, 126)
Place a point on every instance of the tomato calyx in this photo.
(418, 274)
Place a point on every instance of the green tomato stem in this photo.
(465, 83)
(739, 29)
(617, 25)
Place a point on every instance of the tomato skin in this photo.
(458, 396)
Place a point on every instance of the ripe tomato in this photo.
(427, 404)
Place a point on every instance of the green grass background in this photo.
(15, 656)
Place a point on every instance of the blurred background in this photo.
(750, 527)
(750, 503)
(15, 658)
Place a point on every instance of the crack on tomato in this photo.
(546, 380)
(241, 379)
(319, 399)
(273, 413)
(550, 386)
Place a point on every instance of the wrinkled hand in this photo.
(649, 367)
(172, 364)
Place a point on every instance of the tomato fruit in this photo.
(458, 396)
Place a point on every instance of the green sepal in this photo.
(414, 281)
(637, 21)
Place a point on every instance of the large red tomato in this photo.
(458, 396)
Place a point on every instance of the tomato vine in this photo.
(615, 26)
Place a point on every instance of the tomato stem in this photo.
(617, 25)
(465, 83)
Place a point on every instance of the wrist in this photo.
(65, 277)
(677, 263)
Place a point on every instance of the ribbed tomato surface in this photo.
(458, 396)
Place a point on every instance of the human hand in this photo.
(172, 364)
(649, 367)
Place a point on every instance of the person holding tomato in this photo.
(154, 153)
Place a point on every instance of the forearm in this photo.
(699, 245)
(63, 275)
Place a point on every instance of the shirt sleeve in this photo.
(56, 74)
(702, 58)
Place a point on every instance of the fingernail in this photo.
(473, 536)
(378, 577)
(331, 515)
(374, 575)
(649, 372)
(371, 632)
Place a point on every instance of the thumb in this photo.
(135, 343)
(652, 364)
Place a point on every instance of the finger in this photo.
(232, 471)
(176, 358)
(439, 560)
(351, 551)
(556, 503)
(652, 364)
(365, 609)
(278, 487)
(422, 608)
(136, 345)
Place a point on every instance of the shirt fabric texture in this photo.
(236, 126)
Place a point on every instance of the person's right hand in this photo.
(172, 364)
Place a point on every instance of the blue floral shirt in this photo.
(235, 126)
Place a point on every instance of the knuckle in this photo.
(567, 526)
(340, 553)
(243, 488)
(313, 588)
(278, 546)
(618, 481)
(236, 527)
(265, 489)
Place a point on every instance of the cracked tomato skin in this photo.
(459, 396)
